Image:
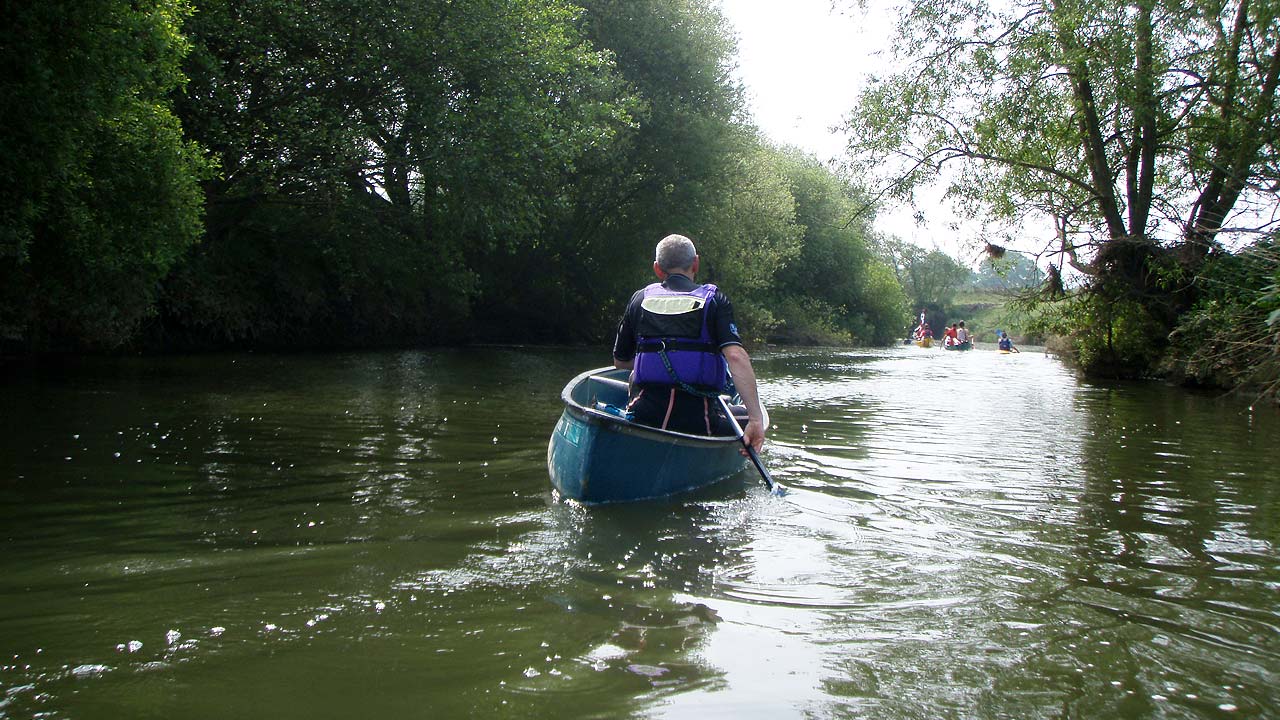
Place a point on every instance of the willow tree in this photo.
(1144, 129)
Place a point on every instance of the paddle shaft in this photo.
(751, 451)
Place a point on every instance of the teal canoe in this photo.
(598, 456)
(966, 345)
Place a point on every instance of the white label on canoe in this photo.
(571, 431)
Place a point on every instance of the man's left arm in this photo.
(744, 379)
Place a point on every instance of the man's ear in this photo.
(696, 258)
(657, 270)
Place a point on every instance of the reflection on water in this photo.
(966, 535)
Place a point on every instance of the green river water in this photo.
(966, 535)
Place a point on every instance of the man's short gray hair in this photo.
(675, 252)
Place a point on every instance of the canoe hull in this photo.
(596, 457)
(966, 345)
(927, 342)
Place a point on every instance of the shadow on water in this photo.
(966, 535)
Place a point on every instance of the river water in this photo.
(966, 535)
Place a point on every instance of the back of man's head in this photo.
(675, 252)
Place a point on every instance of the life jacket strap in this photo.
(682, 384)
(667, 344)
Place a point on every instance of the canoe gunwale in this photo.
(628, 427)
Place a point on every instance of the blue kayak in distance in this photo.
(597, 455)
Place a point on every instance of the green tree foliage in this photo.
(751, 233)
(401, 171)
(689, 163)
(1013, 272)
(374, 156)
(1143, 129)
(837, 281)
(98, 189)
(672, 169)
(929, 277)
(1232, 335)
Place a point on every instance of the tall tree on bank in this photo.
(929, 277)
(837, 278)
(1143, 129)
(372, 156)
(98, 189)
(673, 168)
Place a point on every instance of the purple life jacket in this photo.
(673, 344)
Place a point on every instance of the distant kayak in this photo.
(925, 342)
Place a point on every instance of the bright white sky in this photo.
(804, 63)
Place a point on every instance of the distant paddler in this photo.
(1005, 344)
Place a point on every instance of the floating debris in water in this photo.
(216, 631)
(131, 646)
(89, 670)
(532, 672)
(650, 671)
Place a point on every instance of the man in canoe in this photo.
(678, 339)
